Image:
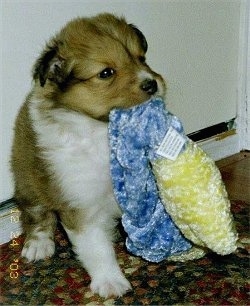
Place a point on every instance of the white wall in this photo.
(246, 134)
(247, 145)
(193, 43)
(243, 116)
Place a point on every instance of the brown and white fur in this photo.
(60, 156)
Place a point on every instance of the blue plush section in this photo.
(135, 134)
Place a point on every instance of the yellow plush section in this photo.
(195, 197)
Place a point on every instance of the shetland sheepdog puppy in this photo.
(60, 154)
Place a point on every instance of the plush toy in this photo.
(170, 191)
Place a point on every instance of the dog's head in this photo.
(96, 64)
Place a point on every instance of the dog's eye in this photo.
(106, 73)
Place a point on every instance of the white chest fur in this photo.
(77, 152)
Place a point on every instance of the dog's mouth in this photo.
(150, 87)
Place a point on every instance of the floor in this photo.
(236, 175)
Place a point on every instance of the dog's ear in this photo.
(142, 38)
(50, 66)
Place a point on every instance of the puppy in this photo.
(60, 155)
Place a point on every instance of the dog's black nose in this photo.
(150, 86)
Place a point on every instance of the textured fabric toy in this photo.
(189, 185)
(151, 232)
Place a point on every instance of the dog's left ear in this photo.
(142, 38)
(50, 66)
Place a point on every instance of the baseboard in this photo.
(213, 130)
(218, 141)
(10, 224)
(221, 145)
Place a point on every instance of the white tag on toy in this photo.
(171, 145)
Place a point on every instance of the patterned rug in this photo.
(212, 280)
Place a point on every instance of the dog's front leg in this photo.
(95, 250)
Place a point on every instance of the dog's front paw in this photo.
(110, 285)
(36, 249)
